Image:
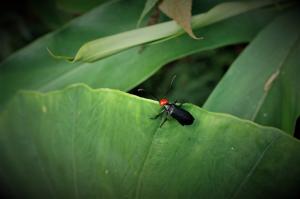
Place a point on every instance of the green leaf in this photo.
(84, 143)
(106, 46)
(33, 68)
(266, 74)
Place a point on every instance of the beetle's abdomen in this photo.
(181, 115)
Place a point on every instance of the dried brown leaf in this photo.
(180, 11)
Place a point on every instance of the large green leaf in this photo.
(33, 68)
(263, 84)
(83, 143)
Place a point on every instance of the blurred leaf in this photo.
(180, 11)
(48, 12)
(106, 46)
(78, 6)
(33, 68)
(21, 22)
(83, 143)
(263, 84)
(148, 7)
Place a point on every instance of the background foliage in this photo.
(79, 142)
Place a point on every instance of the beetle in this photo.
(173, 110)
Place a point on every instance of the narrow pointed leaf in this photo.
(148, 7)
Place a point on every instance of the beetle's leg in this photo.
(163, 121)
(159, 114)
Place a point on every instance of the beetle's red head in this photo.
(163, 101)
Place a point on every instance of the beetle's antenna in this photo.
(170, 86)
(152, 95)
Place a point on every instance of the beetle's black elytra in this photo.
(175, 111)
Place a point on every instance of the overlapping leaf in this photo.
(263, 84)
(33, 68)
(106, 46)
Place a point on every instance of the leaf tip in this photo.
(66, 58)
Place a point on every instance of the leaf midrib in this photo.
(278, 68)
(141, 170)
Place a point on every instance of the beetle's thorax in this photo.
(169, 108)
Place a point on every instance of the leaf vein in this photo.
(139, 180)
(255, 165)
